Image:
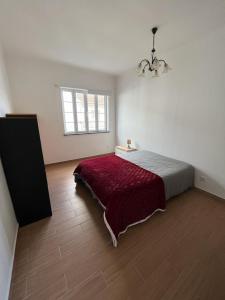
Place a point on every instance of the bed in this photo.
(131, 187)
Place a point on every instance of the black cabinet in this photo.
(23, 164)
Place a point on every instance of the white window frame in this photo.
(85, 92)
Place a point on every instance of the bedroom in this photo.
(47, 50)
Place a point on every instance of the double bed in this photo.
(131, 187)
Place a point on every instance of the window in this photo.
(84, 111)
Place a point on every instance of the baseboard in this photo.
(209, 194)
(13, 258)
(76, 159)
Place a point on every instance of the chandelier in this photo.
(154, 64)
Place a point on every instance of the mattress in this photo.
(177, 176)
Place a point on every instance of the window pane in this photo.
(68, 107)
(80, 117)
(69, 127)
(101, 109)
(91, 126)
(69, 117)
(101, 104)
(91, 98)
(80, 102)
(91, 117)
(80, 112)
(101, 100)
(101, 126)
(67, 96)
(81, 126)
(101, 113)
(67, 99)
(91, 112)
(101, 117)
(80, 107)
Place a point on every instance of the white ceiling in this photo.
(106, 35)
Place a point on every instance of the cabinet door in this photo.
(23, 164)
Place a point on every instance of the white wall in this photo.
(8, 224)
(182, 113)
(32, 83)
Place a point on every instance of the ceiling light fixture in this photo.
(155, 63)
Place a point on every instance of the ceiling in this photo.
(106, 35)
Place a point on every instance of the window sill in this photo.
(84, 133)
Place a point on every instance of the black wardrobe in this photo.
(22, 160)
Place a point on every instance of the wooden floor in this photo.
(179, 254)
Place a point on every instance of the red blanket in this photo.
(128, 193)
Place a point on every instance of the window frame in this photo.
(85, 93)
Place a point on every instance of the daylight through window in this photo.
(84, 111)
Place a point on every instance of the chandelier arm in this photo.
(149, 66)
(162, 60)
(144, 60)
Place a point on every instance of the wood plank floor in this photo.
(179, 254)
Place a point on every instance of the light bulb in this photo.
(165, 70)
(156, 74)
(139, 70)
(141, 73)
(168, 67)
(155, 64)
